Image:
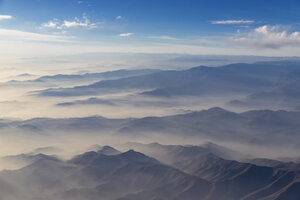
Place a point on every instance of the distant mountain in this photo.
(284, 94)
(230, 79)
(81, 78)
(102, 75)
(280, 127)
(47, 150)
(22, 160)
(94, 123)
(271, 70)
(90, 101)
(251, 127)
(106, 150)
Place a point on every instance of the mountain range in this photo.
(251, 127)
(246, 148)
(131, 175)
(229, 79)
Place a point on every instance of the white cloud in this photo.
(273, 37)
(50, 24)
(233, 22)
(164, 37)
(3, 17)
(126, 34)
(119, 17)
(9, 34)
(84, 22)
(79, 2)
(76, 23)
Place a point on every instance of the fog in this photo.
(172, 127)
(69, 142)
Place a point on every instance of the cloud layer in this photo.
(273, 37)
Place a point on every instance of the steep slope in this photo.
(196, 174)
(171, 154)
(232, 180)
(93, 174)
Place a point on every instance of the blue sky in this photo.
(152, 26)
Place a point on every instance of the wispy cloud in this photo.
(164, 37)
(126, 34)
(273, 37)
(51, 24)
(10, 34)
(3, 17)
(119, 17)
(76, 23)
(233, 22)
(79, 2)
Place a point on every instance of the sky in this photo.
(30, 28)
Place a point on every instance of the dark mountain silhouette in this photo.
(232, 179)
(192, 173)
(93, 174)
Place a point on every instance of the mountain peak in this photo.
(85, 158)
(138, 157)
(217, 109)
(108, 150)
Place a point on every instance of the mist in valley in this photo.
(149, 100)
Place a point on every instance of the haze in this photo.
(152, 100)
